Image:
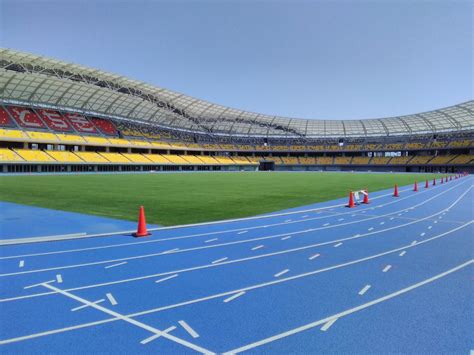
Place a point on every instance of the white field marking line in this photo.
(370, 229)
(305, 216)
(414, 242)
(86, 305)
(130, 320)
(243, 232)
(313, 256)
(21, 263)
(219, 260)
(337, 245)
(402, 253)
(170, 251)
(59, 278)
(245, 259)
(156, 336)
(166, 278)
(231, 298)
(288, 220)
(382, 223)
(328, 324)
(281, 273)
(364, 290)
(188, 328)
(285, 238)
(39, 284)
(211, 240)
(223, 294)
(422, 234)
(218, 232)
(386, 268)
(257, 247)
(326, 224)
(111, 299)
(348, 311)
(115, 265)
(340, 219)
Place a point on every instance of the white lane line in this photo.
(130, 320)
(166, 278)
(22, 263)
(305, 216)
(39, 284)
(171, 251)
(402, 253)
(111, 299)
(370, 229)
(227, 293)
(422, 234)
(59, 278)
(234, 296)
(287, 237)
(86, 305)
(346, 312)
(337, 245)
(429, 227)
(326, 224)
(364, 290)
(242, 232)
(156, 336)
(257, 247)
(211, 240)
(414, 242)
(340, 219)
(386, 268)
(357, 236)
(313, 256)
(328, 324)
(188, 328)
(281, 273)
(219, 260)
(231, 243)
(288, 220)
(115, 265)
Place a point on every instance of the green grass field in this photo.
(181, 198)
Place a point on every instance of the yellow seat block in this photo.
(91, 157)
(34, 155)
(176, 159)
(69, 138)
(119, 141)
(42, 136)
(96, 140)
(9, 155)
(137, 158)
(157, 158)
(115, 157)
(64, 156)
(12, 133)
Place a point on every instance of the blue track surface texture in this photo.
(389, 277)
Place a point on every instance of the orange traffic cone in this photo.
(366, 197)
(426, 184)
(395, 191)
(351, 200)
(434, 182)
(415, 188)
(141, 230)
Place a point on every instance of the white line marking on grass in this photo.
(219, 260)
(171, 251)
(87, 305)
(356, 235)
(287, 237)
(364, 290)
(234, 297)
(346, 312)
(22, 263)
(326, 224)
(414, 242)
(402, 253)
(386, 268)
(39, 284)
(313, 256)
(305, 216)
(166, 278)
(337, 245)
(130, 320)
(242, 232)
(288, 220)
(190, 330)
(115, 265)
(257, 247)
(111, 299)
(370, 229)
(281, 273)
(156, 336)
(211, 240)
(340, 219)
(327, 325)
(422, 234)
(59, 278)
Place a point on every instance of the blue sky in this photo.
(310, 59)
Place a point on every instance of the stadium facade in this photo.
(56, 116)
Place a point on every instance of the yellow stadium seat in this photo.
(380, 160)
(324, 160)
(12, 133)
(442, 159)
(42, 136)
(307, 160)
(141, 143)
(137, 158)
(420, 159)
(360, 160)
(97, 140)
(176, 159)
(69, 138)
(463, 159)
(342, 160)
(119, 141)
(34, 155)
(160, 145)
(115, 157)
(9, 155)
(400, 160)
(91, 157)
(64, 156)
(157, 158)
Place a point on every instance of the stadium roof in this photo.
(38, 81)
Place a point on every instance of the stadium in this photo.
(256, 233)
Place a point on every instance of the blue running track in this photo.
(394, 276)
